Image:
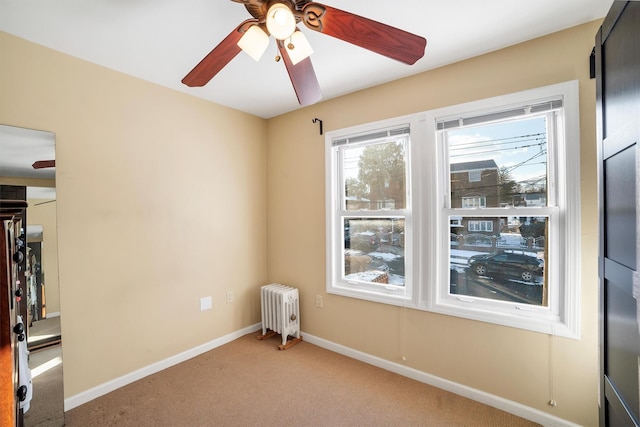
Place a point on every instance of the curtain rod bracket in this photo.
(316, 120)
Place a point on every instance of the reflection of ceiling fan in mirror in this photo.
(280, 18)
(43, 164)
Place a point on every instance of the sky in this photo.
(519, 145)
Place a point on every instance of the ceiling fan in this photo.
(279, 18)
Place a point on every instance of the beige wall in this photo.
(161, 200)
(526, 367)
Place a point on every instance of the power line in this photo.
(495, 150)
(535, 156)
(498, 141)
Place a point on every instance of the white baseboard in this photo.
(109, 386)
(55, 314)
(501, 403)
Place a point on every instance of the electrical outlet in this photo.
(319, 301)
(229, 297)
(205, 303)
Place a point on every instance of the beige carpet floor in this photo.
(249, 382)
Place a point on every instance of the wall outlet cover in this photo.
(205, 304)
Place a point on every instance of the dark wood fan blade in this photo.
(216, 60)
(42, 164)
(303, 78)
(372, 35)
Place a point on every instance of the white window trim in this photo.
(562, 318)
(335, 284)
(427, 273)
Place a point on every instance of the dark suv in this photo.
(520, 264)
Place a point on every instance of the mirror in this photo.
(20, 148)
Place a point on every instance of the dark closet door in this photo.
(618, 111)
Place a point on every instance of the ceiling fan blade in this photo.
(372, 35)
(220, 56)
(303, 78)
(254, 2)
(42, 164)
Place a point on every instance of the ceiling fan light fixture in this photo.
(254, 42)
(280, 21)
(298, 47)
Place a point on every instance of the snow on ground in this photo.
(510, 239)
(369, 276)
(461, 257)
(385, 256)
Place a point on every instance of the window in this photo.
(474, 202)
(370, 211)
(470, 210)
(480, 225)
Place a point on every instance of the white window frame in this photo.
(427, 241)
(389, 294)
(562, 316)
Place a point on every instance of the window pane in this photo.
(503, 164)
(474, 202)
(374, 176)
(499, 258)
(374, 250)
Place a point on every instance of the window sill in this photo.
(526, 318)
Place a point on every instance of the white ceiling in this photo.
(162, 40)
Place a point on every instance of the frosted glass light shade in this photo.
(254, 42)
(280, 21)
(301, 47)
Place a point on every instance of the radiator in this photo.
(281, 313)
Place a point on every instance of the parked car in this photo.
(519, 264)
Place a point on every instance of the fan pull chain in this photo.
(278, 57)
(290, 46)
